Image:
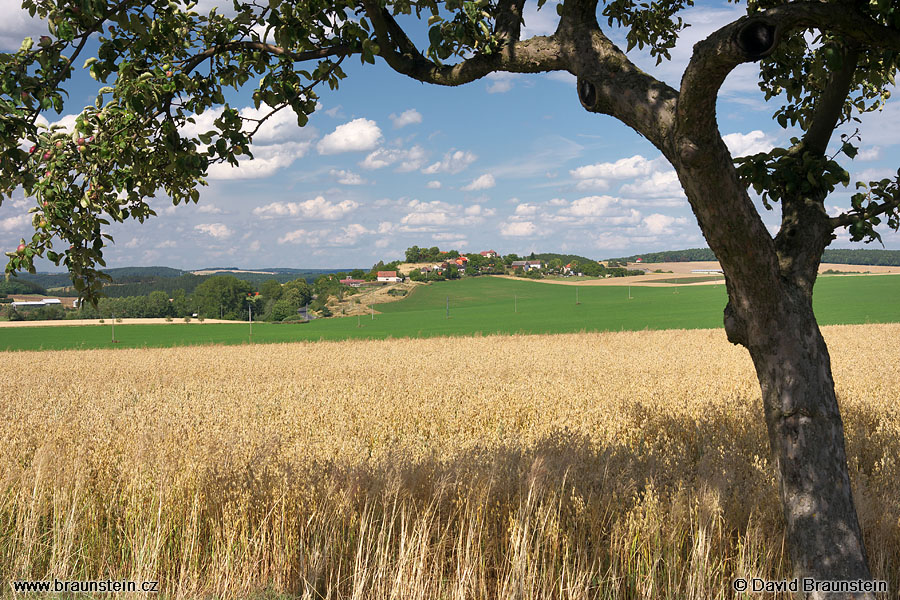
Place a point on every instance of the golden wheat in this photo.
(615, 465)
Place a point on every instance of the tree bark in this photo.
(770, 313)
(806, 439)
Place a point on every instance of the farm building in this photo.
(353, 282)
(488, 253)
(527, 265)
(388, 277)
(37, 303)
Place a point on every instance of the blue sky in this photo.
(510, 163)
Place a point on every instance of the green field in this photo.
(487, 305)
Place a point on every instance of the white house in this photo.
(389, 277)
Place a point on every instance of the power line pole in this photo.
(448, 307)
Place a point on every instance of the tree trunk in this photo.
(770, 313)
(806, 439)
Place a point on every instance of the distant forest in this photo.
(565, 258)
(887, 258)
(141, 281)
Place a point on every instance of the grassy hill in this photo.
(487, 305)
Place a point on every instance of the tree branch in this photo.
(534, 55)
(753, 37)
(508, 23)
(608, 82)
(338, 50)
(831, 105)
(848, 218)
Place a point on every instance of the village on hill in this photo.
(293, 295)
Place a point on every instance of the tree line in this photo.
(216, 297)
(887, 258)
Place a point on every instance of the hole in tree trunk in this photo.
(587, 93)
(757, 39)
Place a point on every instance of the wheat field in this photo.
(594, 465)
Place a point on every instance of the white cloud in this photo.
(409, 160)
(317, 209)
(427, 218)
(476, 210)
(599, 185)
(518, 229)
(526, 210)
(603, 210)
(209, 209)
(483, 182)
(658, 224)
(220, 231)
(591, 206)
(17, 24)
(446, 237)
(277, 144)
(745, 144)
(539, 22)
(357, 135)
(349, 235)
(500, 82)
(662, 184)
(167, 244)
(15, 223)
(347, 177)
(873, 153)
(279, 127)
(426, 215)
(434, 185)
(621, 169)
(67, 122)
(407, 117)
(454, 162)
(266, 161)
(298, 236)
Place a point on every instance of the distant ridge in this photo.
(139, 281)
(862, 256)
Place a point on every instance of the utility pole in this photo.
(629, 292)
(250, 318)
(113, 321)
(576, 295)
(448, 307)
(515, 303)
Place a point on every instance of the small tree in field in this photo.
(829, 59)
